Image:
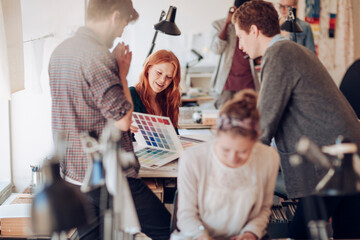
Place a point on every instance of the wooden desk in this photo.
(169, 170)
(200, 99)
(18, 225)
(194, 126)
(196, 99)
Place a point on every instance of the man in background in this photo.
(88, 88)
(304, 38)
(233, 72)
(299, 98)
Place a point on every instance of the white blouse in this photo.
(224, 201)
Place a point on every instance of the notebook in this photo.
(157, 141)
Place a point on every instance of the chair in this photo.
(350, 86)
(173, 221)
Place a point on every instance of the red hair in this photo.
(169, 99)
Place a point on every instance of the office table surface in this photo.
(197, 98)
(170, 170)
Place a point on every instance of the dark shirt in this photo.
(138, 104)
(240, 76)
(86, 91)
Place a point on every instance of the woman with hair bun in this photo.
(226, 186)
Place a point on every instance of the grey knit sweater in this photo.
(298, 97)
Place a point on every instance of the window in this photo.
(5, 163)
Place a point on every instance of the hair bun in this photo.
(246, 98)
(241, 109)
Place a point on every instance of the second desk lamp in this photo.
(290, 25)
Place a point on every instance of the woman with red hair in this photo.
(158, 90)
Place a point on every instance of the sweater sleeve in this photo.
(217, 45)
(188, 220)
(277, 81)
(258, 223)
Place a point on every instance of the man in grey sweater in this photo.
(298, 97)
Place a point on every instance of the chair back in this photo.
(350, 86)
(173, 221)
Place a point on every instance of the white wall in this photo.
(13, 34)
(356, 21)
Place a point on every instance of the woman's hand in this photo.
(133, 129)
(245, 236)
(123, 57)
(204, 237)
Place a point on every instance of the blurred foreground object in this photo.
(58, 206)
(343, 177)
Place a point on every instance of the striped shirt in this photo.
(86, 91)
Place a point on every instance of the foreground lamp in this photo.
(343, 177)
(290, 25)
(57, 207)
(95, 174)
(166, 26)
(121, 219)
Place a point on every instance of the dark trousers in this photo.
(154, 218)
(344, 212)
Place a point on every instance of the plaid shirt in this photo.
(86, 91)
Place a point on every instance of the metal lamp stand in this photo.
(162, 15)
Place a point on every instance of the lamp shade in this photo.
(168, 25)
(291, 26)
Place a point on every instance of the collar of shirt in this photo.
(89, 33)
(275, 39)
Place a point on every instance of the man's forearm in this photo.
(223, 33)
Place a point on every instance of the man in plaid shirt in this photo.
(88, 88)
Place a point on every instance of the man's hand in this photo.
(245, 236)
(123, 57)
(133, 129)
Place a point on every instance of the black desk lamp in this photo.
(58, 207)
(290, 25)
(166, 26)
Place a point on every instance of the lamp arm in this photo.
(152, 44)
(162, 15)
